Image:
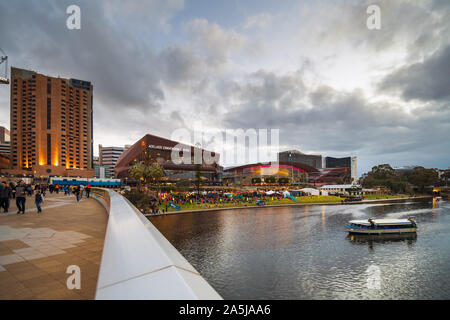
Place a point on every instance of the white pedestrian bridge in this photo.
(138, 262)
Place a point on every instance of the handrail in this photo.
(139, 263)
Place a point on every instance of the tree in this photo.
(384, 175)
(446, 176)
(137, 172)
(422, 177)
(154, 171)
(142, 172)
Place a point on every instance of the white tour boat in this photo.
(382, 226)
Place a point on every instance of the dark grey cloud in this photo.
(36, 37)
(180, 66)
(427, 80)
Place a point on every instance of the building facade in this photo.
(4, 161)
(5, 147)
(331, 162)
(342, 189)
(51, 125)
(299, 157)
(108, 156)
(150, 149)
(102, 172)
(267, 174)
(354, 170)
(4, 135)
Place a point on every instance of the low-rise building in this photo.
(344, 189)
(5, 147)
(268, 173)
(102, 172)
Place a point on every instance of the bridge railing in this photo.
(138, 262)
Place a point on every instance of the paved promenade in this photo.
(36, 249)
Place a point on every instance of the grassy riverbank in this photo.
(319, 200)
(269, 202)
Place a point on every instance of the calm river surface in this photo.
(305, 252)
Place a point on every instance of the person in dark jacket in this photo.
(38, 200)
(13, 189)
(20, 197)
(5, 195)
(77, 192)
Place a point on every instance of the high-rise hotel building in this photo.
(51, 125)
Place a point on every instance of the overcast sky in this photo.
(309, 68)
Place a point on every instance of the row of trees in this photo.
(147, 173)
(384, 175)
(153, 172)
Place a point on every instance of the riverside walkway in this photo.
(36, 249)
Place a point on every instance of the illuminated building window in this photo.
(49, 149)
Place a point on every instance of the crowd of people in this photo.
(162, 201)
(20, 191)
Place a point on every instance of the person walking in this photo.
(5, 195)
(13, 190)
(29, 190)
(77, 192)
(38, 200)
(88, 190)
(20, 197)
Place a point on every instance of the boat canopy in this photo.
(381, 222)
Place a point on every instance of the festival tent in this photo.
(311, 191)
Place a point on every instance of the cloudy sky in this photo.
(309, 68)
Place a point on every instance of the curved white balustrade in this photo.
(138, 262)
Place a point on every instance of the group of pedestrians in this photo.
(78, 191)
(20, 191)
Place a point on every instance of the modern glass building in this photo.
(313, 160)
(331, 162)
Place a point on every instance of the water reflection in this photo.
(370, 240)
(306, 253)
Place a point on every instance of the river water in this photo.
(305, 252)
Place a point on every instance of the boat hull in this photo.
(352, 230)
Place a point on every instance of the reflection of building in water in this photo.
(435, 206)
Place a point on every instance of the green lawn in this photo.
(269, 201)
